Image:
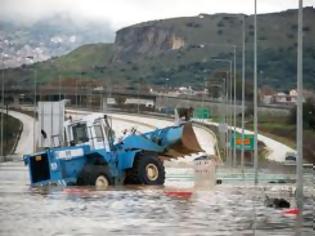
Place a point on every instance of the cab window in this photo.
(98, 132)
(80, 133)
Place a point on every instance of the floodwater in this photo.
(177, 209)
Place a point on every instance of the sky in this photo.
(121, 13)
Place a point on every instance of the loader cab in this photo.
(91, 130)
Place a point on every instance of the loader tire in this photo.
(95, 175)
(147, 169)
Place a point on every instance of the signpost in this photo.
(202, 113)
(248, 142)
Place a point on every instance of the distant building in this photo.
(280, 97)
(267, 99)
(186, 91)
(284, 98)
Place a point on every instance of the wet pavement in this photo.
(176, 209)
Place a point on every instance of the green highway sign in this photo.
(202, 113)
(248, 141)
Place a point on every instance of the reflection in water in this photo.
(228, 209)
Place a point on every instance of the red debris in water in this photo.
(292, 211)
(179, 194)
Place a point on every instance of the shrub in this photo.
(306, 29)
(220, 32)
(308, 114)
(290, 36)
(220, 24)
(135, 68)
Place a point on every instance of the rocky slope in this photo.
(276, 31)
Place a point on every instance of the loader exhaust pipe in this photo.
(186, 145)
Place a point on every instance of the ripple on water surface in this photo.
(226, 210)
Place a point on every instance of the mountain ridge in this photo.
(179, 49)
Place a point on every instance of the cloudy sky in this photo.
(120, 13)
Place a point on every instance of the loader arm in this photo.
(172, 142)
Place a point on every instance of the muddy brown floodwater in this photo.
(228, 209)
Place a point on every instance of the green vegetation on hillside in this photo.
(145, 52)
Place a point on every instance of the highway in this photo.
(276, 150)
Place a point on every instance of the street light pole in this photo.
(234, 109)
(35, 101)
(138, 95)
(243, 93)
(255, 98)
(225, 114)
(76, 93)
(224, 98)
(231, 114)
(167, 90)
(2, 113)
(203, 94)
(59, 87)
(299, 138)
(230, 101)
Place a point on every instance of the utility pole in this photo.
(255, 98)
(299, 138)
(243, 92)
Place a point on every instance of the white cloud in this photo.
(120, 13)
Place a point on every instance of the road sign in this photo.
(248, 142)
(202, 113)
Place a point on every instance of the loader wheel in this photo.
(101, 182)
(95, 175)
(147, 169)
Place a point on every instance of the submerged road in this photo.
(173, 209)
(228, 209)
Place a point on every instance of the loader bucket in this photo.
(188, 144)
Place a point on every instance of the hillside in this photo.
(182, 49)
(50, 36)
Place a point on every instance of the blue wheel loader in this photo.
(89, 154)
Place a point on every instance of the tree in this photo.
(308, 114)
(120, 100)
(215, 85)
